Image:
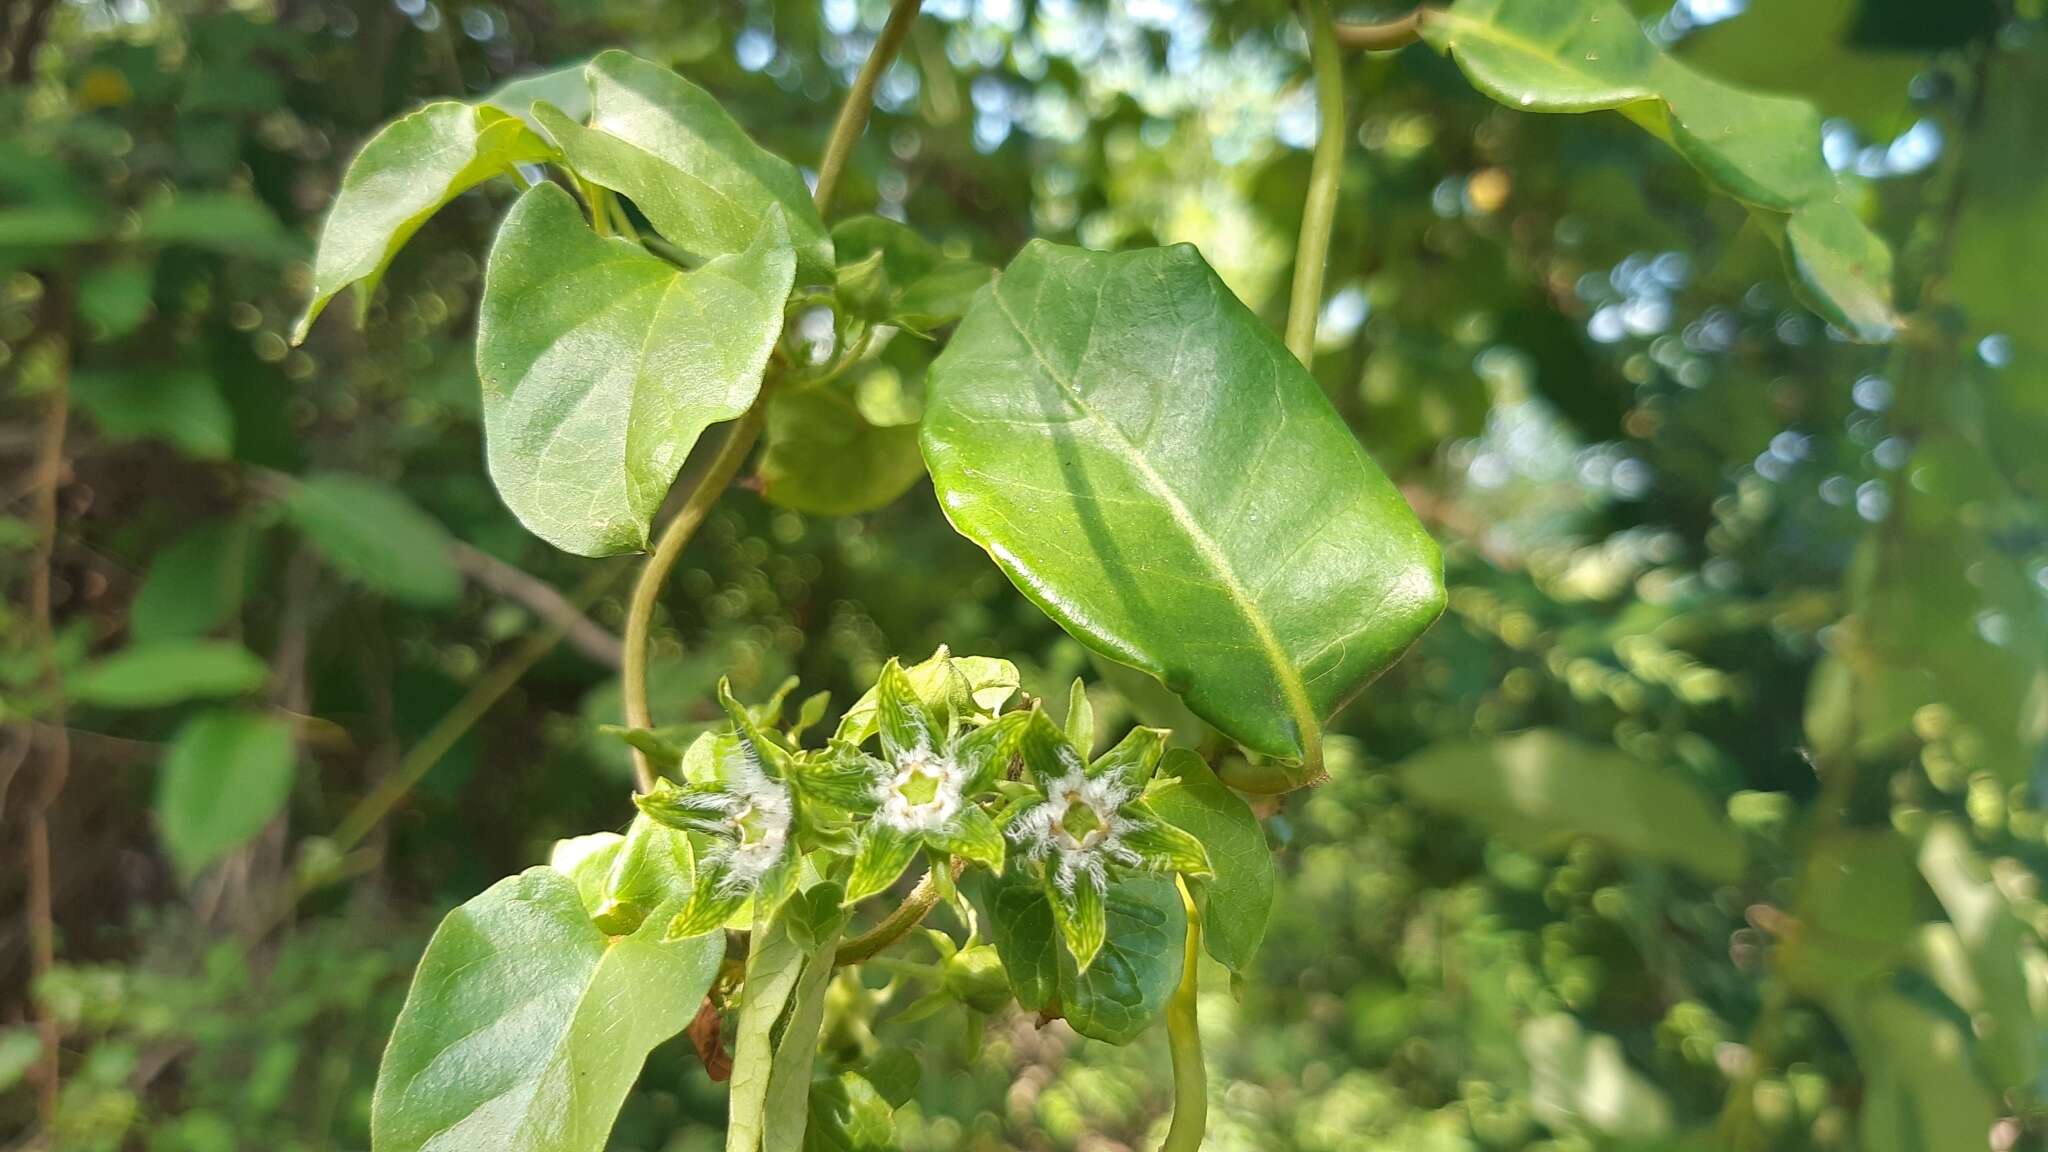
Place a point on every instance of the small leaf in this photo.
(603, 363)
(1588, 55)
(654, 867)
(1161, 846)
(1134, 758)
(370, 532)
(888, 274)
(566, 88)
(183, 409)
(1542, 788)
(945, 683)
(1078, 911)
(169, 672)
(974, 837)
(526, 1026)
(879, 857)
(587, 861)
(1237, 901)
(1148, 464)
(407, 171)
(668, 146)
(1080, 718)
(193, 586)
(115, 297)
(226, 775)
(848, 1115)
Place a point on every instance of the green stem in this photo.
(1386, 36)
(662, 560)
(1319, 211)
(897, 924)
(1184, 1041)
(853, 114)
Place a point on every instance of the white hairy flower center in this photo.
(1078, 826)
(923, 794)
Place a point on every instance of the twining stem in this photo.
(1319, 210)
(1385, 36)
(56, 765)
(662, 560)
(897, 924)
(853, 114)
(853, 119)
(1184, 1042)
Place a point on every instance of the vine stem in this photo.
(852, 121)
(853, 114)
(1184, 1042)
(1386, 36)
(662, 560)
(42, 933)
(897, 924)
(1319, 210)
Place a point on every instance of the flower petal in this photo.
(1046, 750)
(1134, 758)
(906, 724)
(1162, 846)
(984, 753)
(1082, 917)
(973, 837)
(698, 808)
(878, 859)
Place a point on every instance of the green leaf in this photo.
(974, 837)
(1999, 946)
(1589, 55)
(183, 409)
(526, 1025)
(566, 88)
(168, 672)
(226, 775)
(231, 224)
(1134, 758)
(848, 1115)
(1544, 788)
(1127, 984)
(193, 586)
(115, 298)
(370, 532)
(786, 1108)
(879, 857)
(602, 364)
(1143, 458)
(773, 967)
(668, 146)
(1860, 901)
(1580, 1081)
(407, 171)
(1237, 900)
(889, 274)
(654, 867)
(1921, 1091)
(824, 457)
(1021, 928)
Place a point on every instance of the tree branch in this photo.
(540, 598)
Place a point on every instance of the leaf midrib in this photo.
(1291, 683)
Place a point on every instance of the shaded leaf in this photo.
(1237, 900)
(226, 775)
(194, 585)
(1542, 788)
(371, 533)
(168, 672)
(183, 409)
(848, 1115)
(824, 457)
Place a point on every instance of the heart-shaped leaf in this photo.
(602, 363)
(668, 146)
(403, 176)
(526, 1025)
(1589, 55)
(1147, 463)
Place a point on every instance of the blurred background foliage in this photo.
(1710, 816)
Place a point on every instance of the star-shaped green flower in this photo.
(924, 791)
(748, 811)
(1077, 823)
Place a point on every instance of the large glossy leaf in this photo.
(669, 146)
(373, 534)
(226, 774)
(526, 1025)
(1541, 788)
(1147, 463)
(602, 364)
(1238, 899)
(401, 177)
(1588, 55)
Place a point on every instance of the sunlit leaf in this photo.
(602, 364)
(1144, 459)
(526, 1025)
